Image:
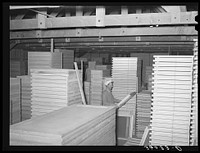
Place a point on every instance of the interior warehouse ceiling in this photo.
(118, 32)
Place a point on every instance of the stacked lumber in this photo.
(91, 66)
(44, 60)
(124, 74)
(17, 67)
(150, 80)
(132, 142)
(87, 91)
(148, 77)
(25, 97)
(52, 89)
(15, 106)
(96, 87)
(143, 112)
(74, 125)
(67, 58)
(171, 100)
(194, 113)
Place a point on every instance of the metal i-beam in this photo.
(96, 32)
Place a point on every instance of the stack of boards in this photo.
(15, 106)
(44, 60)
(17, 67)
(125, 77)
(67, 58)
(133, 142)
(194, 115)
(87, 91)
(96, 87)
(143, 112)
(149, 71)
(171, 100)
(25, 96)
(52, 89)
(73, 125)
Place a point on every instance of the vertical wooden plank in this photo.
(42, 19)
(79, 11)
(124, 10)
(100, 15)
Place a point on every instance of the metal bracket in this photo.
(175, 18)
(100, 38)
(138, 38)
(67, 39)
(38, 33)
(78, 32)
(122, 31)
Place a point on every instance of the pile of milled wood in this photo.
(72, 125)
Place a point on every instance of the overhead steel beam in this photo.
(144, 19)
(96, 32)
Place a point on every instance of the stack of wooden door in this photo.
(74, 125)
(133, 142)
(194, 113)
(44, 60)
(171, 100)
(25, 97)
(143, 112)
(67, 58)
(17, 67)
(96, 87)
(52, 89)
(125, 77)
(87, 91)
(15, 106)
(148, 75)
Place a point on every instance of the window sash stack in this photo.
(25, 96)
(194, 111)
(77, 125)
(44, 60)
(171, 100)
(52, 89)
(15, 105)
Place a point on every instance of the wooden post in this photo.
(52, 45)
(79, 83)
(82, 72)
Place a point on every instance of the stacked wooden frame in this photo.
(15, 105)
(194, 111)
(52, 89)
(143, 112)
(73, 125)
(25, 96)
(171, 100)
(44, 60)
(126, 73)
